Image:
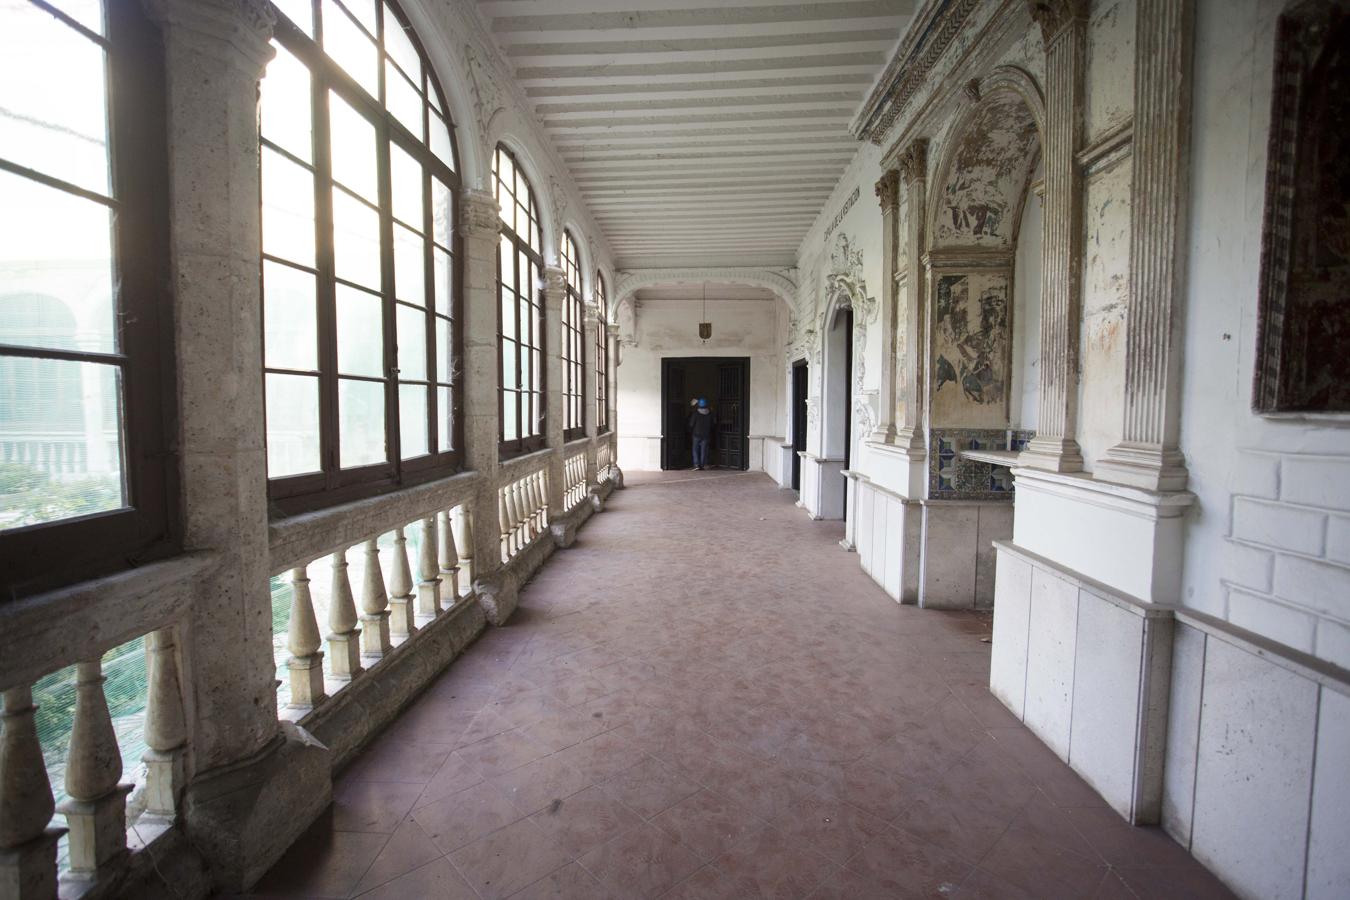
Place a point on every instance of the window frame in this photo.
(601, 356)
(573, 337)
(334, 484)
(49, 555)
(522, 249)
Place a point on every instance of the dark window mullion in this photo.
(433, 412)
(329, 436)
(393, 442)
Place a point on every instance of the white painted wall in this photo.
(669, 328)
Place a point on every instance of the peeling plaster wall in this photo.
(1110, 59)
(668, 328)
(1106, 287)
(1024, 385)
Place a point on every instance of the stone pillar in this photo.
(344, 636)
(591, 325)
(402, 601)
(480, 228)
(165, 726)
(888, 192)
(1147, 455)
(27, 844)
(555, 294)
(252, 786)
(375, 643)
(912, 318)
(1063, 28)
(612, 345)
(97, 809)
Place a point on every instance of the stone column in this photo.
(1063, 29)
(1147, 455)
(253, 787)
(910, 363)
(555, 294)
(480, 228)
(612, 398)
(591, 325)
(888, 193)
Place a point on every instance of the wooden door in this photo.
(799, 384)
(730, 451)
(675, 449)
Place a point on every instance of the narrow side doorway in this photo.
(799, 383)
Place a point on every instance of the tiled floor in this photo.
(707, 698)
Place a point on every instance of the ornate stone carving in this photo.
(558, 198)
(888, 189)
(480, 215)
(487, 96)
(914, 160)
(246, 25)
(972, 90)
(1053, 16)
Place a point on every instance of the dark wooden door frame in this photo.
(667, 444)
(801, 388)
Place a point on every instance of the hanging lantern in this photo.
(705, 327)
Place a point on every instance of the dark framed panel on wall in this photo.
(1303, 326)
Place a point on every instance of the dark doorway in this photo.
(725, 383)
(848, 404)
(799, 376)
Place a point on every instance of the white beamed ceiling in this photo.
(700, 134)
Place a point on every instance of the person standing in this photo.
(700, 425)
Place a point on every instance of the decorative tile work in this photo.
(952, 478)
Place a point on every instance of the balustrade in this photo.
(574, 470)
(523, 511)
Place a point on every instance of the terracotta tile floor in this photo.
(707, 698)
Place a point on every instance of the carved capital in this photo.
(243, 25)
(1053, 16)
(888, 189)
(914, 160)
(555, 283)
(479, 215)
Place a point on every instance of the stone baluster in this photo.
(166, 725)
(1148, 455)
(304, 642)
(402, 616)
(375, 641)
(533, 500)
(344, 638)
(27, 843)
(504, 518)
(516, 503)
(449, 557)
(461, 523)
(97, 809)
(428, 573)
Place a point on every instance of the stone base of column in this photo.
(450, 585)
(910, 439)
(164, 781)
(98, 833)
(1143, 465)
(597, 495)
(498, 597)
(1052, 454)
(564, 533)
(307, 688)
(428, 600)
(28, 871)
(344, 650)
(242, 817)
(883, 435)
(402, 617)
(375, 641)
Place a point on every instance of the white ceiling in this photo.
(700, 133)
(693, 293)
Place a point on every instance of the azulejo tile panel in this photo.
(951, 477)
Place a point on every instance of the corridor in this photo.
(705, 697)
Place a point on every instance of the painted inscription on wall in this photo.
(970, 349)
(839, 216)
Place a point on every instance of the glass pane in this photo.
(292, 424)
(508, 314)
(53, 109)
(356, 240)
(445, 348)
(526, 356)
(300, 12)
(287, 208)
(360, 423)
(56, 260)
(355, 165)
(412, 420)
(506, 252)
(399, 44)
(444, 413)
(509, 429)
(61, 430)
(350, 48)
(410, 275)
(442, 212)
(445, 277)
(364, 10)
(289, 318)
(360, 333)
(286, 104)
(509, 379)
(403, 100)
(440, 140)
(405, 175)
(412, 343)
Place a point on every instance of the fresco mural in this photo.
(970, 349)
(988, 173)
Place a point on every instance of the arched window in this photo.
(574, 343)
(361, 296)
(83, 461)
(601, 357)
(520, 264)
